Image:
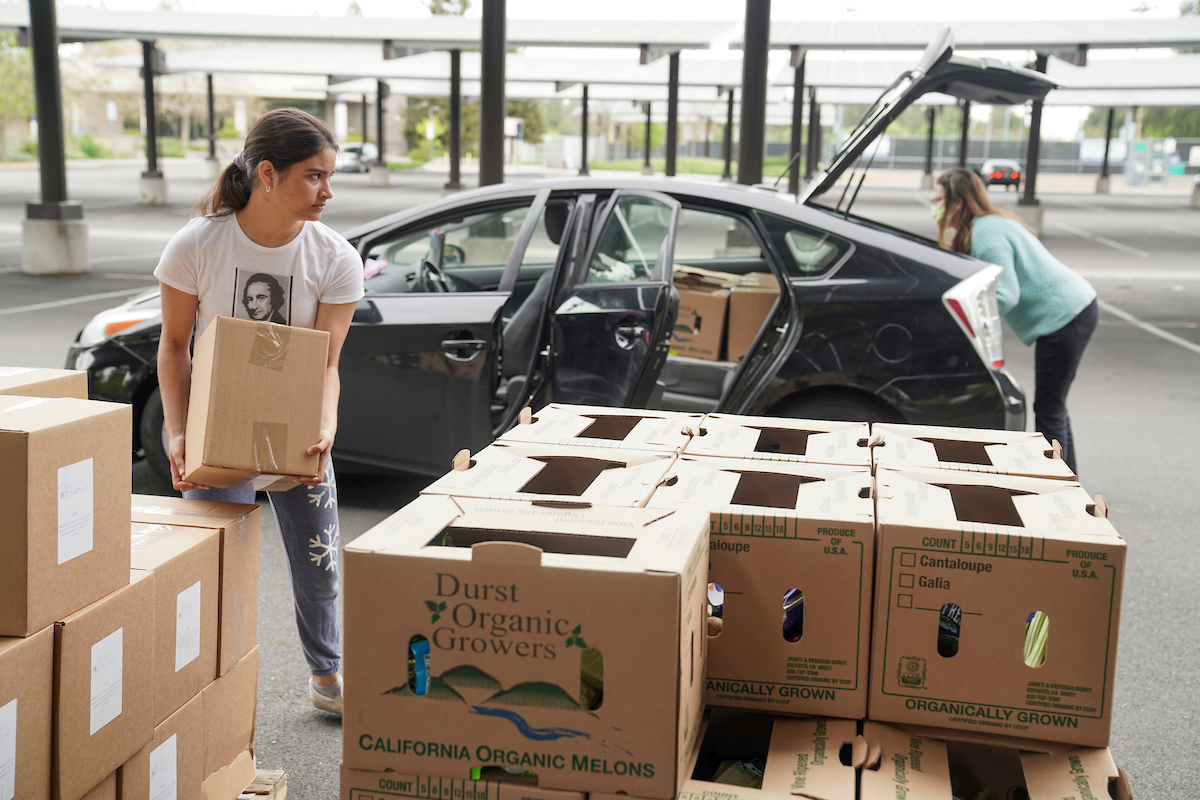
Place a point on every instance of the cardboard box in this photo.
(568, 641)
(899, 764)
(105, 790)
(26, 691)
(800, 758)
(64, 477)
(172, 764)
(792, 549)
(536, 472)
(186, 566)
(35, 382)
(750, 304)
(102, 686)
(229, 781)
(230, 705)
(255, 407)
(1079, 774)
(966, 562)
(967, 450)
(363, 784)
(774, 439)
(699, 330)
(594, 426)
(238, 524)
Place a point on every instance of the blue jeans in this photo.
(307, 520)
(1056, 357)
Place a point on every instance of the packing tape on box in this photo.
(36, 401)
(269, 438)
(270, 346)
(148, 536)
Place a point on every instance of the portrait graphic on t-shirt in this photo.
(263, 297)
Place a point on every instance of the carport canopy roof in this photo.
(436, 32)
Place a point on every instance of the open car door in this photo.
(980, 80)
(419, 369)
(614, 308)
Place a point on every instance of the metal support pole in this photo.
(672, 113)
(728, 144)
(756, 47)
(1029, 198)
(381, 93)
(43, 36)
(966, 131)
(1107, 140)
(212, 120)
(814, 134)
(365, 118)
(455, 120)
(152, 170)
(931, 113)
(798, 56)
(646, 168)
(583, 133)
(492, 105)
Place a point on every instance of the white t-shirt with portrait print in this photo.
(213, 259)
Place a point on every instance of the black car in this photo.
(562, 291)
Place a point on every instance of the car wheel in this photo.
(153, 432)
(837, 406)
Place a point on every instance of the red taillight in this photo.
(1015, 175)
(957, 308)
(998, 364)
(996, 175)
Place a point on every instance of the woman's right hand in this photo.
(175, 456)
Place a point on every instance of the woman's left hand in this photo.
(322, 447)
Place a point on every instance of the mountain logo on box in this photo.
(527, 730)
(911, 672)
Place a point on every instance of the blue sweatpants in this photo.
(307, 519)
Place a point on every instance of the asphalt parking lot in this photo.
(1134, 412)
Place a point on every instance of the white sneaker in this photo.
(324, 703)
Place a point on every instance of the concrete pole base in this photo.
(926, 180)
(1102, 185)
(647, 170)
(152, 191)
(55, 247)
(1195, 197)
(1031, 216)
(212, 169)
(380, 175)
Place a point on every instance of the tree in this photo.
(534, 128)
(16, 85)
(445, 8)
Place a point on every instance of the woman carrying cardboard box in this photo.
(258, 251)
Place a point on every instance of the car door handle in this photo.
(628, 335)
(463, 349)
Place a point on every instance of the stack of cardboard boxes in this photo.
(720, 313)
(127, 662)
(864, 613)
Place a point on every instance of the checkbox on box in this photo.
(908, 559)
(907, 580)
(904, 601)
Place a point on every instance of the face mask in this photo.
(937, 212)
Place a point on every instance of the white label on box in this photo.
(8, 750)
(75, 485)
(163, 771)
(6, 372)
(187, 626)
(106, 679)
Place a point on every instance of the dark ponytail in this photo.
(284, 137)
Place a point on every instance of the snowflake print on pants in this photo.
(325, 494)
(325, 546)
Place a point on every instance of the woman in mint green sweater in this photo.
(1046, 303)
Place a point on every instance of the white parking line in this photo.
(74, 300)
(1135, 274)
(1181, 229)
(1148, 328)
(124, 234)
(1124, 248)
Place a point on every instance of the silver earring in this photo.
(268, 189)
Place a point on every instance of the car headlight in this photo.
(108, 324)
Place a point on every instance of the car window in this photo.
(806, 252)
(628, 246)
(717, 241)
(541, 254)
(476, 250)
